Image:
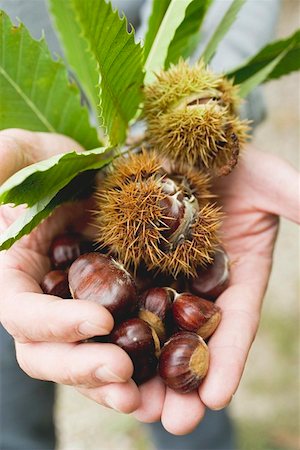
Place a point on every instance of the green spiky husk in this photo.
(130, 220)
(191, 116)
(182, 81)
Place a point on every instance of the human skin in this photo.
(47, 329)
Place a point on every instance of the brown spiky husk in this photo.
(198, 250)
(130, 220)
(191, 115)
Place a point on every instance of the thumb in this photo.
(20, 148)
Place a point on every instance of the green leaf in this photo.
(45, 178)
(159, 50)
(80, 59)
(34, 90)
(31, 217)
(159, 8)
(222, 28)
(119, 61)
(288, 48)
(250, 83)
(187, 35)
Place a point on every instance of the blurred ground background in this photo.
(266, 406)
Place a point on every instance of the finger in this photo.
(181, 412)
(152, 395)
(86, 365)
(19, 148)
(230, 344)
(272, 184)
(45, 318)
(122, 397)
(283, 186)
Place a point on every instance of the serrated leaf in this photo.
(159, 50)
(222, 28)
(187, 35)
(159, 8)
(35, 91)
(33, 216)
(288, 48)
(80, 59)
(119, 61)
(45, 178)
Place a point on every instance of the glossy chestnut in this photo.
(65, 248)
(145, 368)
(56, 283)
(97, 277)
(192, 313)
(141, 343)
(183, 362)
(155, 308)
(212, 280)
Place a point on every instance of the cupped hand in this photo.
(47, 330)
(261, 188)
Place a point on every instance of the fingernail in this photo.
(91, 329)
(103, 373)
(110, 403)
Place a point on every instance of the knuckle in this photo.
(23, 362)
(13, 330)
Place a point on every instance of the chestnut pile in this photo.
(163, 331)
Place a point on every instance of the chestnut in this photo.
(56, 283)
(146, 279)
(195, 314)
(100, 278)
(65, 248)
(145, 368)
(141, 343)
(173, 210)
(155, 307)
(212, 280)
(183, 362)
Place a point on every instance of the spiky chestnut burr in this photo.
(56, 283)
(192, 117)
(155, 309)
(213, 279)
(100, 278)
(191, 313)
(183, 362)
(162, 219)
(141, 343)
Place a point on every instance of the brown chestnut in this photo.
(65, 248)
(145, 368)
(155, 307)
(212, 280)
(173, 210)
(141, 343)
(100, 278)
(146, 279)
(56, 283)
(191, 313)
(183, 362)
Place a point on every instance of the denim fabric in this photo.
(26, 405)
(215, 432)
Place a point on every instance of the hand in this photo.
(260, 189)
(252, 199)
(47, 329)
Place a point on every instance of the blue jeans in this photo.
(26, 414)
